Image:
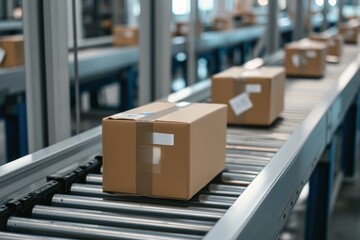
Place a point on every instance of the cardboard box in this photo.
(305, 58)
(182, 28)
(125, 36)
(11, 51)
(244, 18)
(350, 31)
(163, 149)
(333, 41)
(222, 23)
(254, 97)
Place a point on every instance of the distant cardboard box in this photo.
(183, 28)
(334, 43)
(222, 23)
(125, 35)
(164, 150)
(305, 58)
(350, 31)
(11, 51)
(254, 97)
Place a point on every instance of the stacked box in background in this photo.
(334, 43)
(164, 149)
(254, 97)
(11, 51)
(350, 31)
(183, 28)
(222, 23)
(125, 35)
(305, 58)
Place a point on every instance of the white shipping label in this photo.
(295, 59)
(163, 139)
(311, 54)
(253, 88)
(156, 155)
(2, 55)
(240, 103)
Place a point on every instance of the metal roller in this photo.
(122, 220)
(242, 168)
(228, 176)
(96, 190)
(87, 231)
(17, 236)
(92, 203)
(252, 148)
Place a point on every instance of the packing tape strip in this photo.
(148, 147)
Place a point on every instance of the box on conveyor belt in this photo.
(305, 58)
(183, 28)
(164, 150)
(254, 97)
(125, 35)
(11, 51)
(222, 23)
(350, 31)
(334, 43)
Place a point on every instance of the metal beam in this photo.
(325, 10)
(155, 48)
(273, 27)
(300, 13)
(47, 73)
(192, 43)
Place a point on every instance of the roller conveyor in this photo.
(261, 163)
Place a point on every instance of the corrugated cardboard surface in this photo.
(197, 156)
(334, 43)
(267, 105)
(125, 35)
(308, 66)
(14, 51)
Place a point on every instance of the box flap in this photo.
(240, 73)
(307, 44)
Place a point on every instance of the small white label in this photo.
(163, 139)
(252, 73)
(311, 54)
(240, 103)
(156, 151)
(2, 55)
(295, 59)
(253, 88)
(182, 104)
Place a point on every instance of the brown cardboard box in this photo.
(125, 35)
(222, 24)
(12, 51)
(305, 58)
(334, 43)
(350, 31)
(164, 149)
(255, 97)
(182, 28)
(244, 18)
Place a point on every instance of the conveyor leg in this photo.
(319, 200)
(128, 88)
(350, 144)
(16, 127)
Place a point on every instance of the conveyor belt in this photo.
(74, 206)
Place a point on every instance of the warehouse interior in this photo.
(180, 119)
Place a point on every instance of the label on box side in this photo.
(311, 54)
(2, 55)
(163, 139)
(295, 59)
(253, 88)
(240, 103)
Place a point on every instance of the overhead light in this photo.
(263, 2)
